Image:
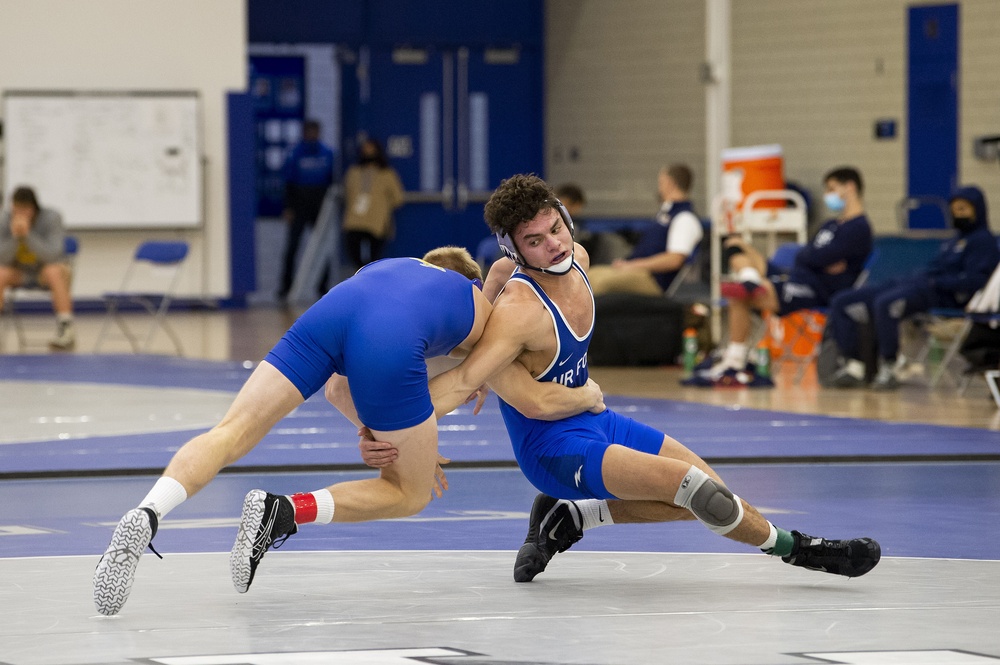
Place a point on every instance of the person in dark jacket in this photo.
(961, 268)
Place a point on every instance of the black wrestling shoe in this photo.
(116, 569)
(850, 558)
(268, 520)
(553, 527)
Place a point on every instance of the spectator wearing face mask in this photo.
(372, 192)
(830, 263)
(961, 268)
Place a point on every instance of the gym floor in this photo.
(84, 437)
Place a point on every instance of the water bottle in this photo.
(764, 359)
(690, 351)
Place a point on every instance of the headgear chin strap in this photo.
(509, 249)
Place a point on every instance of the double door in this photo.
(454, 121)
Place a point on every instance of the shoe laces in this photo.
(153, 524)
(280, 540)
(827, 548)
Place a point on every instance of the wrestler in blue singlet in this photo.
(563, 458)
(377, 329)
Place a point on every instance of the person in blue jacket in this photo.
(308, 173)
(961, 268)
(830, 263)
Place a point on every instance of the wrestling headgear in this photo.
(509, 250)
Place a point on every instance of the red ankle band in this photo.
(305, 508)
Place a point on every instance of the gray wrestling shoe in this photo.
(553, 526)
(267, 521)
(116, 569)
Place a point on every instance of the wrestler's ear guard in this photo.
(507, 247)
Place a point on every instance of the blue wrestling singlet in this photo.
(377, 329)
(563, 458)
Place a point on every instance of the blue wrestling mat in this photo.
(316, 437)
(93, 418)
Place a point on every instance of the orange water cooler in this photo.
(750, 169)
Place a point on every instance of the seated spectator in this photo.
(661, 249)
(33, 253)
(573, 199)
(830, 263)
(961, 268)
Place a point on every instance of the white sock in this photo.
(324, 506)
(772, 539)
(748, 274)
(736, 355)
(166, 495)
(68, 318)
(594, 513)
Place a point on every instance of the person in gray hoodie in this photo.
(33, 253)
(960, 268)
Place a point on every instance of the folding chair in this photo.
(947, 328)
(683, 274)
(992, 378)
(32, 293)
(150, 281)
(944, 329)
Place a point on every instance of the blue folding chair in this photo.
(150, 282)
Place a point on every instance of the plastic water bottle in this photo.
(764, 359)
(690, 351)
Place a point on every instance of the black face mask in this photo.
(963, 224)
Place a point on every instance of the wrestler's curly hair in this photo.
(518, 199)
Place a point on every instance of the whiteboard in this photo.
(107, 161)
